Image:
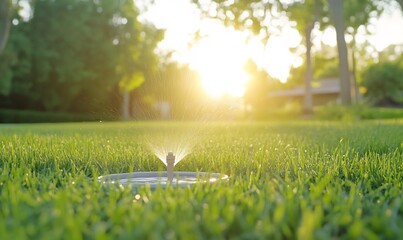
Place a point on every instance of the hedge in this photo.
(29, 116)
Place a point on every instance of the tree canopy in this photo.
(4, 22)
(262, 18)
(73, 55)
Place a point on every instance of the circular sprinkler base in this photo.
(155, 179)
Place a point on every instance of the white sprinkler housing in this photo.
(170, 166)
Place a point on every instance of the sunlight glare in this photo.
(276, 57)
(220, 62)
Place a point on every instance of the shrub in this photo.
(356, 112)
(384, 83)
(335, 111)
(28, 116)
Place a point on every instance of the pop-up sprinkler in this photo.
(170, 166)
(163, 179)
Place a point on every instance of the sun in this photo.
(220, 62)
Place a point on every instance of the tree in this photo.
(255, 16)
(257, 88)
(306, 14)
(72, 55)
(336, 9)
(176, 88)
(15, 61)
(325, 65)
(251, 15)
(383, 83)
(104, 45)
(74, 51)
(146, 63)
(401, 4)
(5, 21)
(358, 14)
(393, 52)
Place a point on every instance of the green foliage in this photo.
(325, 65)
(132, 82)
(27, 116)
(384, 83)
(77, 53)
(302, 180)
(72, 55)
(5, 22)
(356, 112)
(338, 112)
(400, 3)
(180, 87)
(248, 15)
(305, 14)
(257, 89)
(358, 13)
(393, 52)
(16, 62)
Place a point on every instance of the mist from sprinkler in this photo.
(154, 179)
(179, 144)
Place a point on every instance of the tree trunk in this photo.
(354, 75)
(308, 103)
(4, 23)
(126, 106)
(336, 9)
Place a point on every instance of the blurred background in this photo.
(103, 60)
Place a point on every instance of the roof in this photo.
(326, 86)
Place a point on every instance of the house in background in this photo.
(323, 91)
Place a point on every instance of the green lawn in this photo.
(305, 180)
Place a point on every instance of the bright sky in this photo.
(220, 56)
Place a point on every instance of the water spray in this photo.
(155, 179)
(170, 159)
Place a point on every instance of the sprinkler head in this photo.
(171, 157)
(170, 160)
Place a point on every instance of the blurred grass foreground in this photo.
(293, 180)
